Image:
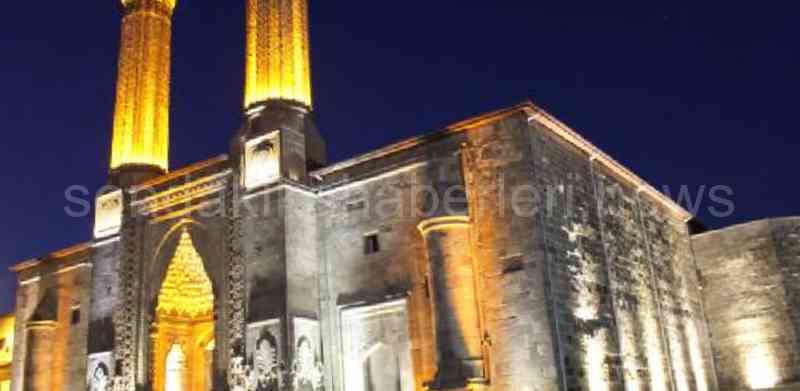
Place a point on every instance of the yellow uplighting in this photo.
(141, 115)
(277, 63)
(7, 337)
(183, 334)
(186, 291)
(7, 323)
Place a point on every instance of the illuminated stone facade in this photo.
(751, 279)
(7, 323)
(503, 253)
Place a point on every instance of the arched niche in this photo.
(183, 317)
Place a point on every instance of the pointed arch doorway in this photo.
(183, 332)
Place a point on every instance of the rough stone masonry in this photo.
(502, 253)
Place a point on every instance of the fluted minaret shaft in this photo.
(277, 65)
(141, 115)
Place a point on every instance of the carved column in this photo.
(454, 303)
(127, 315)
(233, 350)
(39, 368)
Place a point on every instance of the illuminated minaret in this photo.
(279, 139)
(141, 117)
(277, 64)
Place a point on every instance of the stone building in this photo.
(504, 252)
(6, 350)
(751, 279)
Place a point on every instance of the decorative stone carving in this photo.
(108, 214)
(236, 287)
(307, 370)
(126, 312)
(186, 290)
(143, 85)
(279, 70)
(118, 383)
(376, 351)
(99, 372)
(264, 371)
(181, 195)
(262, 160)
(239, 375)
(267, 368)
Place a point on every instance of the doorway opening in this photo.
(183, 333)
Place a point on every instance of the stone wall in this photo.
(104, 293)
(518, 322)
(53, 304)
(390, 209)
(621, 281)
(750, 279)
(558, 276)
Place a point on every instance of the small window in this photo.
(371, 244)
(76, 316)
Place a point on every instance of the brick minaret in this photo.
(277, 65)
(277, 94)
(141, 116)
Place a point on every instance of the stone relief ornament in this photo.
(267, 371)
(98, 376)
(307, 370)
(264, 371)
(235, 276)
(262, 160)
(125, 313)
(117, 384)
(238, 375)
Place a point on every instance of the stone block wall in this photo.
(584, 283)
(53, 304)
(104, 293)
(572, 278)
(577, 274)
(679, 300)
(620, 276)
(750, 279)
(390, 197)
(517, 318)
(389, 209)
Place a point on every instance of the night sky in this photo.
(698, 95)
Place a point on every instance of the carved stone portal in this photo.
(183, 334)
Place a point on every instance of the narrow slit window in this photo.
(372, 244)
(76, 316)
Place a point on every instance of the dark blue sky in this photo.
(694, 94)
